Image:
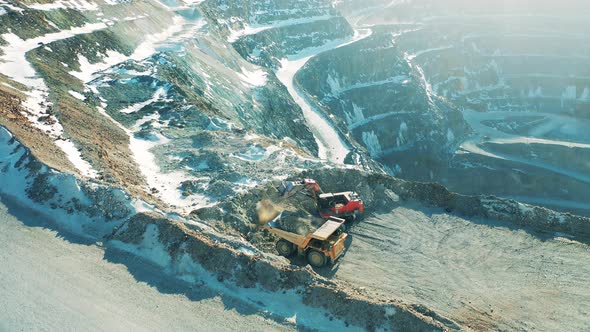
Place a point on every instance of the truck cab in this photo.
(345, 205)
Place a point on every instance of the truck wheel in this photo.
(316, 258)
(285, 248)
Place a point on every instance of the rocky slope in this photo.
(149, 97)
(193, 251)
(518, 81)
(155, 128)
(381, 99)
(266, 32)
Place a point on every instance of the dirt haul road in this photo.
(48, 283)
(483, 274)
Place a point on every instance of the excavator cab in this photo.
(290, 188)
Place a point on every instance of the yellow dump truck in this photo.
(322, 246)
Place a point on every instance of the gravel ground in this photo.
(52, 283)
(481, 274)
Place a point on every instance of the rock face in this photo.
(177, 107)
(383, 101)
(499, 100)
(268, 47)
(143, 92)
(265, 32)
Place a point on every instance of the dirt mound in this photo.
(245, 213)
(299, 222)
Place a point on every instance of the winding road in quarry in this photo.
(330, 144)
(493, 135)
(56, 282)
(482, 274)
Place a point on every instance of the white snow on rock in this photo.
(5, 5)
(16, 180)
(253, 78)
(411, 57)
(145, 49)
(252, 29)
(425, 82)
(75, 157)
(357, 114)
(148, 46)
(336, 89)
(81, 5)
(137, 107)
(13, 63)
(287, 304)
(167, 183)
(371, 140)
(36, 105)
(88, 69)
(246, 31)
(77, 95)
(151, 247)
(472, 145)
(192, 2)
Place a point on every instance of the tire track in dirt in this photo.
(481, 274)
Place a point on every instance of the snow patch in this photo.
(10, 7)
(13, 63)
(450, 136)
(253, 78)
(17, 179)
(75, 157)
(77, 95)
(252, 29)
(88, 69)
(150, 247)
(585, 96)
(288, 304)
(81, 5)
(148, 46)
(356, 116)
(372, 143)
(137, 107)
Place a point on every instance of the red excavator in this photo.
(346, 205)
